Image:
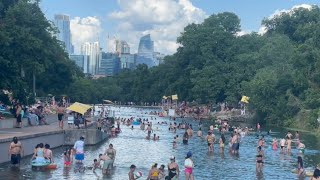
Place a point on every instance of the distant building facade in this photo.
(62, 22)
(92, 50)
(81, 61)
(145, 51)
(122, 47)
(109, 65)
(127, 61)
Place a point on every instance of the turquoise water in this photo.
(133, 148)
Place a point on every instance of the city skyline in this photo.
(164, 20)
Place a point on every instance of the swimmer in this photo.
(222, 141)
(274, 144)
(153, 173)
(282, 144)
(300, 166)
(131, 172)
(185, 138)
(173, 169)
(259, 160)
(301, 146)
(189, 165)
(174, 143)
(316, 175)
(199, 133)
(95, 165)
(210, 141)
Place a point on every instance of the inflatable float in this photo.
(136, 123)
(51, 166)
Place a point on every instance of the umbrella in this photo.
(108, 101)
(79, 108)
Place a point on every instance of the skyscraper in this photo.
(94, 52)
(81, 61)
(109, 65)
(145, 51)
(122, 47)
(62, 22)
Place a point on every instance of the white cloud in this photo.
(84, 30)
(278, 12)
(164, 20)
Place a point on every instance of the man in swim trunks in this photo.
(60, 111)
(149, 130)
(107, 163)
(282, 144)
(79, 148)
(15, 151)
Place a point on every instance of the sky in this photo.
(107, 20)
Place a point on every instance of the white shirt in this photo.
(78, 146)
(188, 163)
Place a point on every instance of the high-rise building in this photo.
(122, 47)
(93, 50)
(109, 65)
(62, 22)
(81, 61)
(145, 51)
(127, 61)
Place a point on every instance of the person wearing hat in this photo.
(15, 151)
(188, 164)
(79, 148)
(173, 169)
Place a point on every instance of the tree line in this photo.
(279, 70)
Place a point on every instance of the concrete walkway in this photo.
(30, 131)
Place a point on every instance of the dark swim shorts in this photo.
(15, 158)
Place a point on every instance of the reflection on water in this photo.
(133, 148)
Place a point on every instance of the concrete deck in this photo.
(32, 135)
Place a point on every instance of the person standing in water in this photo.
(60, 111)
(15, 152)
(210, 141)
(282, 144)
(188, 164)
(79, 148)
(300, 166)
(107, 163)
(199, 133)
(153, 173)
(111, 152)
(131, 172)
(173, 169)
(259, 160)
(185, 138)
(222, 141)
(258, 127)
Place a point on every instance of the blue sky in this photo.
(94, 20)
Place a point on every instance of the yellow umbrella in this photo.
(245, 99)
(79, 107)
(108, 101)
(174, 97)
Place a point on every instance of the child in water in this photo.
(96, 165)
(67, 158)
